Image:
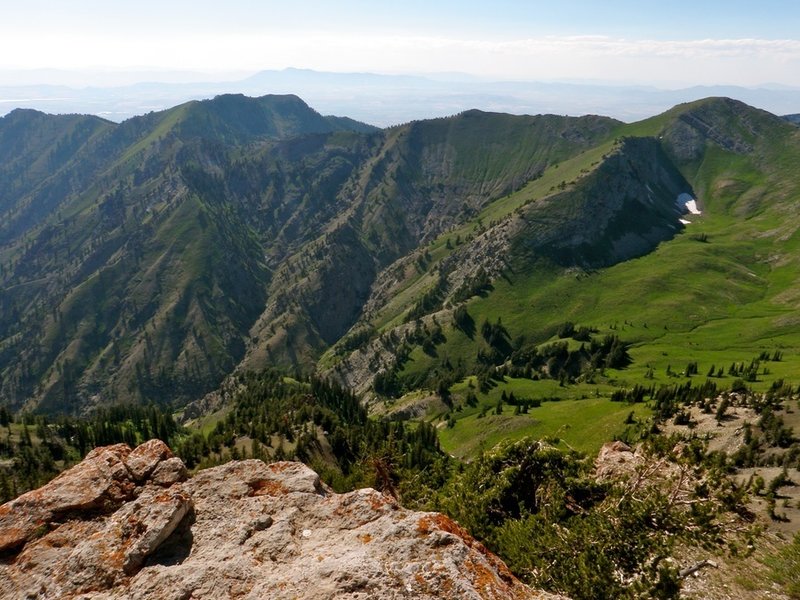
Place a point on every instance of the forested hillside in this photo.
(160, 253)
(148, 261)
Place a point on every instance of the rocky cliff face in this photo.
(128, 524)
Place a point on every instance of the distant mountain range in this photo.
(380, 100)
(148, 260)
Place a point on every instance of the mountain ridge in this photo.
(374, 98)
(240, 233)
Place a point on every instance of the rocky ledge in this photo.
(129, 524)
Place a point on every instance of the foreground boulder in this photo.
(126, 524)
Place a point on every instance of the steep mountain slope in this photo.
(722, 290)
(412, 183)
(620, 204)
(46, 158)
(38, 155)
(118, 281)
(152, 258)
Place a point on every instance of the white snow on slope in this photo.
(686, 201)
(687, 204)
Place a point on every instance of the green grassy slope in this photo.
(196, 235)
(405, 186)
(723, 290)
(580, 424)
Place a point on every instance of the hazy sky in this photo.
(668, 42)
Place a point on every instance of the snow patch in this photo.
(685, 222)
(690, 204)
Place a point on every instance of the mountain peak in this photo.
(729, 124)
(236, 118)
(270, 100)
(20, 113)
(27, 115)
(794, 118)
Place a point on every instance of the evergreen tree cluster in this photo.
(558, 361)
(318, 422)
(559, 528)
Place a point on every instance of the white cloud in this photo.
(685, 48)
(737, 61)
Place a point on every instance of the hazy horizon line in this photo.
(199, 76)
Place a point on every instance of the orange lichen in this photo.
(446, 587)
(440, 522)
(481, 576)
(365, 538)
(280, 467)
(378, 501)
(268, 487)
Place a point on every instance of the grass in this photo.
(715, 330)
(417, 283)
(582, 420)
(784, 567)
(168, 120)
(714, 303)
(719, 301)
(206, 423)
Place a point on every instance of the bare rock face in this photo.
(126, 524)
(615, 460)
(100, 482)
(142, 461)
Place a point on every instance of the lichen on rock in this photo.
(126, 524)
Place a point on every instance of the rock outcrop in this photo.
(128, 524)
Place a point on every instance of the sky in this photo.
(665, 42)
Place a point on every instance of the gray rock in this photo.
(169, 471)
(99, 481)
(251, 530)
(142, 461)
